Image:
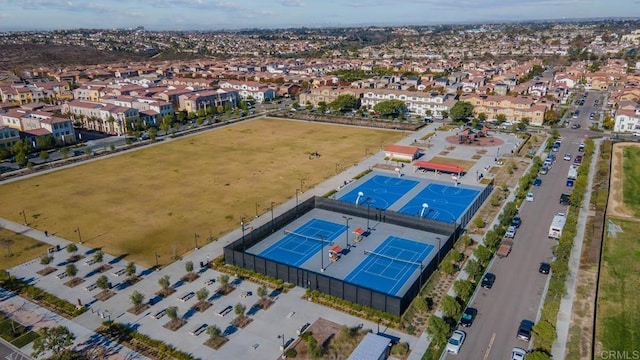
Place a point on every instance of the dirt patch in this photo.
(241, 321)
(264, 303)
(105, 295)
(465, 164)
(477, 142)
(216, 342)
(165, 293)
(174, 325)
(74, 282)
(225, 290)
(201, 306)
(75, 258)
(46, 271)
(138, 309)
(616, 205)
(190, 277)
(103, 268)
(335, 340)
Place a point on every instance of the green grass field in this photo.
(17, 249)
(155, 199)
(618, 315)
(631, 180)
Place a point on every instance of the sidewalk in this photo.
(563, 323)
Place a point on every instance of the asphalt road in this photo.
(519, 287)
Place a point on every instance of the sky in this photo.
(237, 14)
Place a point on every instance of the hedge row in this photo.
(59, 306)
(219, 265)
(142, 343)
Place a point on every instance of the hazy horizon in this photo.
(201, 15)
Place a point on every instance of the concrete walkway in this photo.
(563, 323)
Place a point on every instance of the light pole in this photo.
(366, 151)
(244, 247)
(272, 225)
(438, 238)
(157, 256)
(425, 206)
(322, 253)
(195, 237)
(297, 191)
(24, 216)
(282, 348)
(257, 209)
(301, 184)
(77, 230)
(347, 233)
(368, 207)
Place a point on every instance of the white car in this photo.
(518, 353)
(567, 156)
(455, 342)
(529, 197)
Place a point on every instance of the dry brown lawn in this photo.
(17, 249)
(156, 198)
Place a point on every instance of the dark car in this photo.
(544, 268)
(488, 280)
(575, 126)
(516, 221)
(524, 330)
(565, 199)
(537, 182)
(468, 316)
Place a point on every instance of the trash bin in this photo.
(201, 264)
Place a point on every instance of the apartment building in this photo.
(33, 124)
(196, 100)
(420, 103)
(8, 137)
(103, 117)
(250, 90)
(513, 108)
(627, 120)
(326, 95)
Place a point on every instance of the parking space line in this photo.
(486, 354)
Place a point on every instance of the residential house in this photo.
(513, 108)
(627, 120)
(8, 137)
(194, 101)
(249, 90)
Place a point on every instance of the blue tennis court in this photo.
(379, 191)
(391, 265)
(299, 245)
(444, 203)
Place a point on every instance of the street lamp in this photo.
(157, 256)
(195, 237)
(368, 200)
(301, 184)
(297, 191)
(257, 209)
(24, 216)
(347, 233)
(272, 224)
(439, 240)
(322, 237)
(77, 230)
(282, 347)
(244, 247)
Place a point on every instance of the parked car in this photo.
(468, 316)
(545, 169)
(455, 342)
(524, 330)
(537, 182)
(567, 157)
(565, 199)
(511, 232)
(575, 126)
(488, 280)
(518, 353)
(529, 197)
(516, 221)
(544, 268)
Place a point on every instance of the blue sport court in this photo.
(390, 265)
(380, 191)
(444, 203)
(299, 245)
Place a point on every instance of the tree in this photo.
(464, 289)
(136, 298)
(322, 107)
(223, 279)
(153, 134)
(545, 334)
(44, 155)
(71, 270)
(56, 340)
(188, 266)
(447, 267)
(164, 282)
(391, 108)
(262, 291)
(98, 256)
(450, 306)
(172, 313)
(474, 268)
(46, 259)
(102, 282)
(500, 118)
(71, 248)
(130, 269)
(483, 254)
(438, 329)
(214, 331)
(202, 294)
(461, 111)
(344, 103)
(240, 309)
(482, 116)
